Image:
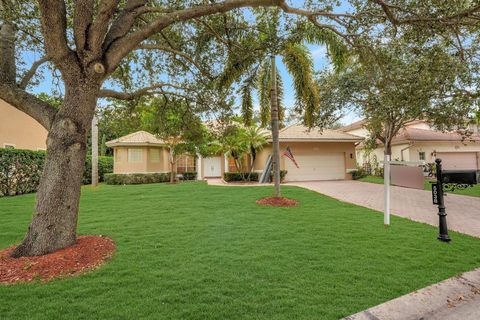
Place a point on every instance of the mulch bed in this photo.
(277, 202)
(88, 253)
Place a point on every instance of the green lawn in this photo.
(473, 191)
(192, 251)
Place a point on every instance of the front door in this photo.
(212, 167)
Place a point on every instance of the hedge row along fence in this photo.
(20, 170)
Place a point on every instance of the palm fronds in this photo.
(299, 63)
(247, 105)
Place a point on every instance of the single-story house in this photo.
(321, 155)
(20, 131)
(418, 141)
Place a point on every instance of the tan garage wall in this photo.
(430, 147)
(305, 148)
(20, 130)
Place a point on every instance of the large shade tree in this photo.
(97, 47)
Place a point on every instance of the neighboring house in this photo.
(142, 152)
(20, 131)
(418, 141)
(325, 155)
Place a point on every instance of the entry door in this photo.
(212, 167)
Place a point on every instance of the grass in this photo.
(192, 251)
(473, 191)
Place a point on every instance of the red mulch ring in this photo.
(88, 253)
(277, 202)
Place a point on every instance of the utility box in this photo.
(460, 176)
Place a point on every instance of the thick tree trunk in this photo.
(7, 54)
(275, 132)
(54, 222)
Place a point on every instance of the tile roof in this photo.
(414, 134)
(301, 133)
(139, 138)
(354, 125)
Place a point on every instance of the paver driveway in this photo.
(463, 211)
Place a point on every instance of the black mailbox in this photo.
(460, 176)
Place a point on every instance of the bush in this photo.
(136, 178)
(105, 165)
(283, 173)
(189, 176)
(240, 176)
(20, 170)
(359, 173)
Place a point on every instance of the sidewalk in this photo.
(457, 298)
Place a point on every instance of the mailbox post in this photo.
(442, 215)
(449, 180)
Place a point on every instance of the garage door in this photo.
(458, 160)
(328, 166)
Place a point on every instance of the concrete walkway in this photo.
(456, 298)
(463, 212)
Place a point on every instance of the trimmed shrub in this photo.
(105, 165)
(20, 170)
(240, 176)
(136, 178)
(189, 176)
(359, 173)
(283, 173)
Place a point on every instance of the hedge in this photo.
(20, 170)
(136, 178)
(283, 173)
(240, 176)
(105, 165)
(189, 176)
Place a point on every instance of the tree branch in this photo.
(54, 25)
(30, 73)
(121, 47)
(178, 53)
(39, 110)
(82, 19)
(147, 91)
(99, 28)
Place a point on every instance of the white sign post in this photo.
(386, 182)
(94, 152)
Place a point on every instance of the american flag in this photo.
(288, 153)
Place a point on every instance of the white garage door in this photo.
(327, 166)
(458, 160)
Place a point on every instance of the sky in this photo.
(318, 53)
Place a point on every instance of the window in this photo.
(421, 155)
(9, 146)
(154, 155)
(186, 163)
(135, 155)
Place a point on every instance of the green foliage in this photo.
(20, 170)
(247, 106)
(240, 176)
(189, 176)
(136, 178)
(283, 173)
(359, 173)
(105, 166)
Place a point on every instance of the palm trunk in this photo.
(94, 152)
(54, 223)
(275, 132)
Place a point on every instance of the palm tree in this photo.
(253, 65)
(255, 138)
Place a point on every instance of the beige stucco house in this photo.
(20, 131)
(418, 141)
(325, 155)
